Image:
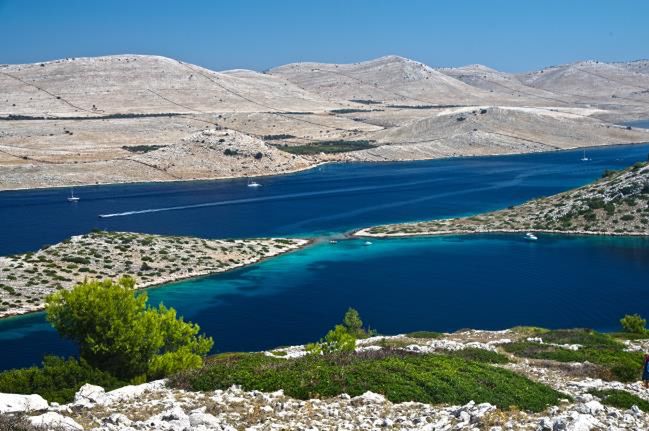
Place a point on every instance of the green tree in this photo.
(634, 323)
(353, 323)
(118, 332)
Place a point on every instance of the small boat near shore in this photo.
(584, 158)
(531, 237)
(252, 183)
(72, 197)
(368, 243)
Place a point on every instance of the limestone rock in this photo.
(14, 403)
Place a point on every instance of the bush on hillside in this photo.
(118, 332)
(634, 323)
(342, 338)
(620, 399)
(57, 380)
(336, 340)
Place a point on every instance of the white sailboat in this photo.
(72, 197)
(584, 158)
(252, 183)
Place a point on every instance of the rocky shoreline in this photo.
(158, 406)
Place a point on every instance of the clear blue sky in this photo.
(514, 35)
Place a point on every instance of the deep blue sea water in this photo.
(491, 281)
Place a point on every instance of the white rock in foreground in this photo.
(14, 403)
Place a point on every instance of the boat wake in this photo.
(261, 199)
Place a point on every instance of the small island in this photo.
(27, 279)
(616, 204)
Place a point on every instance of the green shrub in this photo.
(119, 333)
(336, 340)
(340, 146)
(57, 379)
(585, 337)
(621, 399)
(77, 259)
(634, 323)
(617, 364)
(480, 355)
(400, 376)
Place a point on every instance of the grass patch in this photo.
(585, 337)
(600, 349)
(620, 399)
(328, 147)
(400, 376)
(479, 355)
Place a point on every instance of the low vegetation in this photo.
(277, 137)
(601, 349)
(399, 375)
(328, 147)
(141, 149)
(366, 101)
(621, 399)
(57, 379)
(342, 338)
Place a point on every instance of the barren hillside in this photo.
(142, 118)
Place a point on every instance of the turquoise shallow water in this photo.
(436, 283)
(442, 283)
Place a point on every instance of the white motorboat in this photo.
(252, 183)
(531, 237)
(368, 242)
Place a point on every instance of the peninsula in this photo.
(27, 279)
(616, 204)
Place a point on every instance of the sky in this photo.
(512, 36)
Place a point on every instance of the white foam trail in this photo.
(267, 198)
(341, 215)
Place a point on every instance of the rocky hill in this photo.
(487, 130)
(391, 79)
(80, 121)
(617, 204)
(594, 81)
